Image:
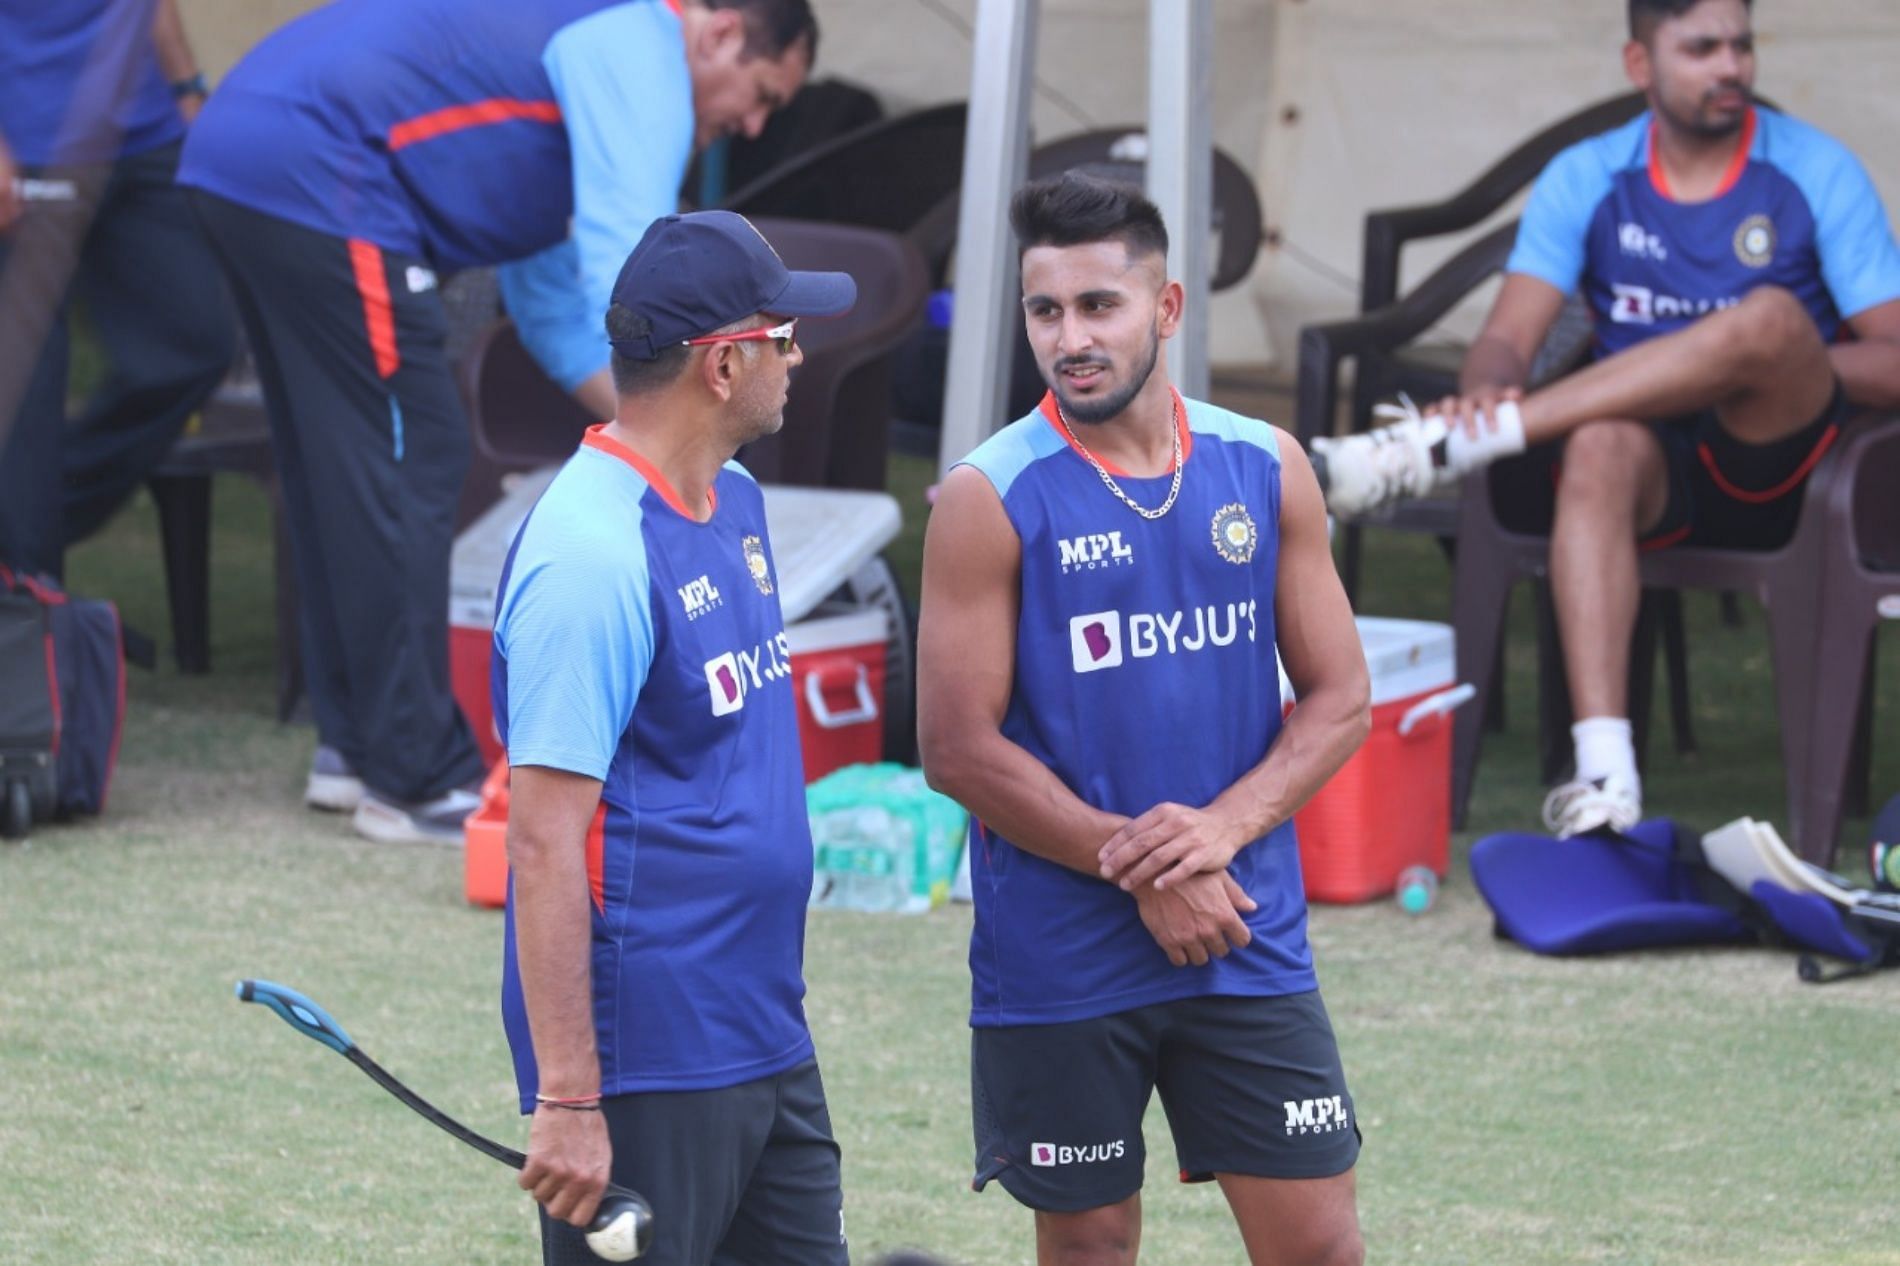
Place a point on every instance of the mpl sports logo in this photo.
(1639, 305)
(698, 597)
(1639, 243)
(1095, 551)
(731, 677)
(1317, 1116)
(1102, 639)
(1049, 1155)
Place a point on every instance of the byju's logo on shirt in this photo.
(1049, 1155)
(1095, 551)
(699, 597)
(1639, 305)
(733, 676)
(1317, 1116)
(1639, 243)
(1096, 640)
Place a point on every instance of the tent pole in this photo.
(1181, 167)
(995, 162)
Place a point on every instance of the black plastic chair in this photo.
(886, 175)
(837, 411)
(1120, 153)
(231, 436)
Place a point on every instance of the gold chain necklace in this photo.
(1174, 489)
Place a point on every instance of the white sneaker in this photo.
(437, 821)
(1599, 804)
(332, 785)
(1365, 472)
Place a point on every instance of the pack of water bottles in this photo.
(882, 840)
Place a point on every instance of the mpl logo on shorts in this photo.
(734, 675)
(1096, 640)
(1095, 551)
(1049, 1155)
(698, 597)
(1317, 1116)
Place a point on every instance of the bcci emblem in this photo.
(755, 563)
(1755, 241)
(1234, 533)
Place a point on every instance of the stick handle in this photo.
(298, 1012)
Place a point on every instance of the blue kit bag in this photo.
(62, 701)
(1662, 884)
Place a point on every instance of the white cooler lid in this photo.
(820, 538)
(1406, 657)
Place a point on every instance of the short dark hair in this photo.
(633, 376)
(1075, 209)
(773, 27)
(1647, 15)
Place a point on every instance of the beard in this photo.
(1101, 409)
(1698, 122)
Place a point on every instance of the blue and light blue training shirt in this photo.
(1145, 672)
(80, 82)
(1796, 210)
(639, 647)
(467, 132)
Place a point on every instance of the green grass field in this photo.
(1685, 1107)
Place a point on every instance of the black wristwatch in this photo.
(195, 86)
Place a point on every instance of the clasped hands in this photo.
(1173, 860)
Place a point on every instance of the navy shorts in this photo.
(1732, 495)
(1251, 1086)
(747, 1175)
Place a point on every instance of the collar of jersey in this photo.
(598, 439)
(1659, 179)
(1048, 410)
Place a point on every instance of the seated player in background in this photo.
(1745, 287)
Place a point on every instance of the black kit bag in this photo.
(62, 702)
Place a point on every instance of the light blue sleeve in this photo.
(576, 627)
(627, 102)
(1859, 260)
(543, 294)
(1553, 236)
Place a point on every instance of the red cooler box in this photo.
(1389, 806)
(821, 537)
(838, 676)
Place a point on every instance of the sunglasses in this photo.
(784, 336)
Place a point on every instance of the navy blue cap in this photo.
(695, 273)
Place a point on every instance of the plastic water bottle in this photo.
(1417, 888)
(862, 860)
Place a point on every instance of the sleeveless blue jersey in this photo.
(639, 647)
(80, 82)
(1145, 672)
(451, 129)
(1797, 210)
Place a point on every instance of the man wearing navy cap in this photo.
(349, 159)
(661, 861)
